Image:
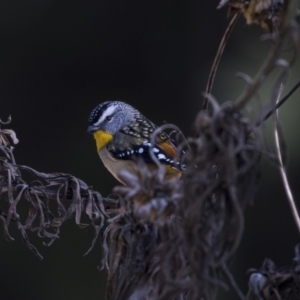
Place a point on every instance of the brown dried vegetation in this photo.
(170, 239)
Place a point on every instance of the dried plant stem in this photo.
(216, 62)
(270, 61)
(283, 171)
(232, 282)
(278, 104)
(50, 194)
(40, 192)
(262, 74)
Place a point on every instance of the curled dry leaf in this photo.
(4, 140)
(3, 137)
(4, 133)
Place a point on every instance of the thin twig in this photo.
(232, 282)
(270, 61)
(216, 62)
(278, 104)
(260, 77)
(283, 171)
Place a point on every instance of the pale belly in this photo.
(116, 165)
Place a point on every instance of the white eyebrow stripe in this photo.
(106, 113)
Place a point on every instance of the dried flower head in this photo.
(267, 13)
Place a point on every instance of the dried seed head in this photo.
(267, 13)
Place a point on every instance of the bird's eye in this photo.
(108, 118)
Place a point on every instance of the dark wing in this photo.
(135, 139)
(143, 150)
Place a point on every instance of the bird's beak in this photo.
(92, 129)
(102, 138)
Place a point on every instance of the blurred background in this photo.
(59, 59)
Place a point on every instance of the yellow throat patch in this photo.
(102, 139)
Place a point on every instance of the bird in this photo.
(124, 135)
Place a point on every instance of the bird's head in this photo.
(107, 119)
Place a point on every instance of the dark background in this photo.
(59, 59)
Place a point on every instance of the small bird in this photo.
(122, 133)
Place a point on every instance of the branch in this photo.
(282, 168)
(270, 61)
(217, 59)
(278, 104)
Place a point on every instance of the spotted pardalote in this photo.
(122, 133)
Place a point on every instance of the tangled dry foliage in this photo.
(174, 239)
(71, 195)
(170, 239)
(270, 282)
